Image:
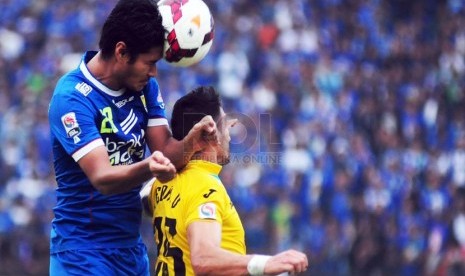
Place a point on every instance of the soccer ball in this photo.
(189, 31)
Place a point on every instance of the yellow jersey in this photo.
(196, 193)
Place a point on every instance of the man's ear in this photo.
(121, 53)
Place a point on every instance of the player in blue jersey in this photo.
(102, 116)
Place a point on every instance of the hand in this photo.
(161, 167)
(291, 261)
(203, 134)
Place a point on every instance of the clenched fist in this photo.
(161, 167)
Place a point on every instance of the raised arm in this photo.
(208, 258)
(159, 138)
(108, 179)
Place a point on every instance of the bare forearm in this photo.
(120, 179)
(108, 179)
(220, 262)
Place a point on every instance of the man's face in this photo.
(224, 124)
(136, 75)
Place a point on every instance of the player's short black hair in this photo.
(192, 107)
(137, 23)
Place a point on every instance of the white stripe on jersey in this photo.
(158, 122)
(97, 83)
(87, 148)
(129, 122)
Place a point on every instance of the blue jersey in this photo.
(85, 114)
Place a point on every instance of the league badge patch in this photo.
(160, 100)
(207, 211)
(71, 126)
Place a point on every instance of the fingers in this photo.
(290, 261)
(160, 164)
(170, 168)
(203, 134)
(208, 129)
(158, 157)
(207, 124)
(299, 261)
(161, 167)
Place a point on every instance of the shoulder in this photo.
(199, 174)
(72, 94)
(201, 181)
(153, 84)
(72, 85)
(153, 98)
(152, 87)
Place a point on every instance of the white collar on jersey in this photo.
(98, 84)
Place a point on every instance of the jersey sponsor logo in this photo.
(71, 126)
(210, 191)
(122, 152)
(123, 102)
(129, 122)
(84, 88)
(207, 211)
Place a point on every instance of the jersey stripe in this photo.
(87, 148)
(98, 84)
(129, 122)
(157, 122)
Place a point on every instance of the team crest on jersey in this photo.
(160, 100)
(207, 211)
(142, 98)
(71, 126)
(84, 88)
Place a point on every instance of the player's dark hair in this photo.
(137, 23)
(192, 107)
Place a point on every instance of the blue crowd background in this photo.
(351, 141)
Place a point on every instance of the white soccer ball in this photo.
(189, 31)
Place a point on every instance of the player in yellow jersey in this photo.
(197, 229)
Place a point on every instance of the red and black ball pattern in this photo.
(175, 53)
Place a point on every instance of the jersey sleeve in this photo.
(72, 122)
(209, 202)
(155, 105)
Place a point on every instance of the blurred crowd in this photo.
(351, 141)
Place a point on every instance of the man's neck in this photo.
(206, 156)
(102, 71)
